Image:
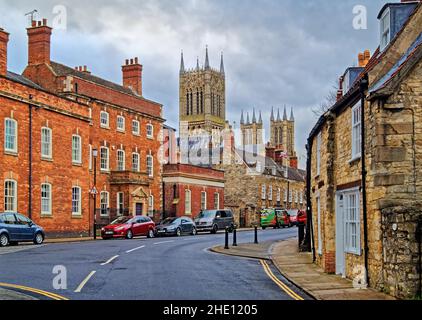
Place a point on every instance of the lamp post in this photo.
(95, 155)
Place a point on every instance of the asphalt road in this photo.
(146, 269)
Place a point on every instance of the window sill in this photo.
(46, 216)
(150, 138)
(76, 216)
(105, 171)
(105, 127)
(121, 131)
(358, 254)
(47, 159)
(355, 160)
(136, 134)
(11, 153)
(76, 164)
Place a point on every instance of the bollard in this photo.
(256, 235)
(234, 237)
(301, 233)
(227, 239)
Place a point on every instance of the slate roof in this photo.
(22, 80)
(62, 70)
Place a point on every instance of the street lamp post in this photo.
(95, 155)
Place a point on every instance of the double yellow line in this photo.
(47, 294)
(283, 287)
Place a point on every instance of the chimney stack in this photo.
(4, 39)
(364, 58)
(340, 89)
(132, 75)
(39, 41)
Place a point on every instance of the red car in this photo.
(129, 227)
(302, 217)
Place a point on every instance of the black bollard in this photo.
(227, 239)
(301, 233)
(256, 235)
(234, 237)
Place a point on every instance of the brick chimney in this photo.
(4, 39)
(39, 40)
(132, 75)
(340, 89)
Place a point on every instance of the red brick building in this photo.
(190, 189)
(74, 113)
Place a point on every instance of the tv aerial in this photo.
(31, 16)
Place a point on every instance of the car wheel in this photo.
(4, 240)
(129, 235)
(214, 229)
(263, 228)
(194, 232)
(178, 232)
(39, 238)
(151, 234)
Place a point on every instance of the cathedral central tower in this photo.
(202, 98)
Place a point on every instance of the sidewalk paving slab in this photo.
(8, 295)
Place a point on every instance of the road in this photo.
(146, 269)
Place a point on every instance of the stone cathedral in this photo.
(202, 98)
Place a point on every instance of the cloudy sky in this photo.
(277, 52)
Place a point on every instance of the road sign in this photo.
(94, 191)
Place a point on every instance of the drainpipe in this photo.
(30, 160)
(363, 89)
(309, 238)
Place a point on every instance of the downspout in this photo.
(30, 160)
(309, 238)
(363, 89)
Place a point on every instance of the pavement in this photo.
(8, 295)
(299, 269)
(164, 269)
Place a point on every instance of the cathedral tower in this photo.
(202, 97)
(252, 138)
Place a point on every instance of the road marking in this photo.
(33, 290)
(109, 261)
(162, 242)
(129, 251)
(83, 283)
(285, 288)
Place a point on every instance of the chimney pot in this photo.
(39, 42)
(131, 61)
(44, 22)
(34, 23)
(85, 68)
(136, 60)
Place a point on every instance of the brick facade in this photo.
(181, 180)
(69, 102)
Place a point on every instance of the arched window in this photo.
(104, 203)
(187, 103)
(202, 101)
(10, 196)
(191, 102)
(197, 102)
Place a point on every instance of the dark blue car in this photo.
(15, 228)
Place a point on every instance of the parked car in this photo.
(214, 220)
(129, 227)
(275, 218)
(293, 217)
(176, 227)
(15, 228)
(302, 217)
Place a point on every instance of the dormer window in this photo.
(385, 29)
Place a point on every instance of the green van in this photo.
(275, 218)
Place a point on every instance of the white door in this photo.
(340, 250)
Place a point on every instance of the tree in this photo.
(329, 100)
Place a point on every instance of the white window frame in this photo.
(77, 160)
(217, 201)
(150, 131)
(44, 199)
(120, 203)
(204, 200)
(150, 205)
(46, 143)
(150, 166)
(319, 223)
(79, 201)
(318, 155)
(104, 205)
(270, 193)
(107, 115)
(188, 202)
(138, 125)
(264, 192)
(13, 197)
(290, 196)
(352, 222)
(121, 124)
(385, 29)
(107, 159)
(15, 136)
(121, 163)
(138, 162)
(356, 131)
(279, 195)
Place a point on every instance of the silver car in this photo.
(214, 220)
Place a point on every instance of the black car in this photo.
(176, 227)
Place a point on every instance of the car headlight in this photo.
(120, 229)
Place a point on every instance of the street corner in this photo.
(251, 251)
(9, 295)
(13, 292)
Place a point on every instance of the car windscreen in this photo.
(169, 221)
(120, 220)
(207, 214)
